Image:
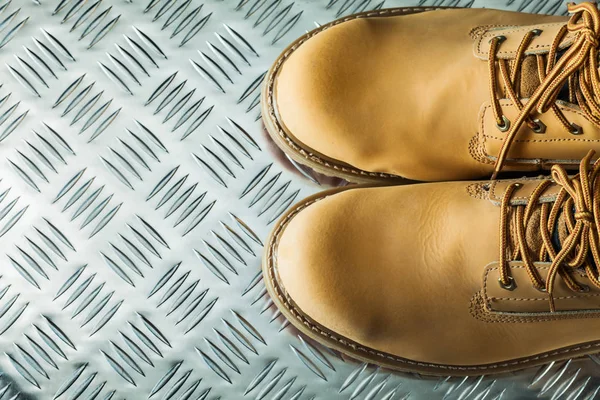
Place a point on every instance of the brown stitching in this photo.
(493, 190)
(479, 51)
(485, 283)
(547, 140)
(476, 32)
(486, 298)
(481, 313)
(495, 183)
(481, 134)
(567, 41)
(286, 301)
(476, 152)
(476, 191)
(527, 180)
(520, 28)
(542, 299)
(275, 71)
(508, 104)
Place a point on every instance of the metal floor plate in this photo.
(136, 188)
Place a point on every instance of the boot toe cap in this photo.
(313, 258)
(319, 94)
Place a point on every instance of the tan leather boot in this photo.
(438, 95)
(456, 278)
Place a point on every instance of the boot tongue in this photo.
(529, 78)
(533, 238)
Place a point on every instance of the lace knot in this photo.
(589, 36)
(578, 201)
(584, 216)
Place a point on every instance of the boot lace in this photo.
(578, 65)
(579, 202)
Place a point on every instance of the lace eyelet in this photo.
(541, 289)
(539, 127)
(584, 289)
(500, 38)
(505, 124)
(537, 32)
(576, 129)
(486, 187)
(510, 286)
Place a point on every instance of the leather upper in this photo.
(409, 95)
(412, 271)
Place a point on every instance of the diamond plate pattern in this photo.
(136, 187)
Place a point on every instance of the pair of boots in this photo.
(458, 277)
